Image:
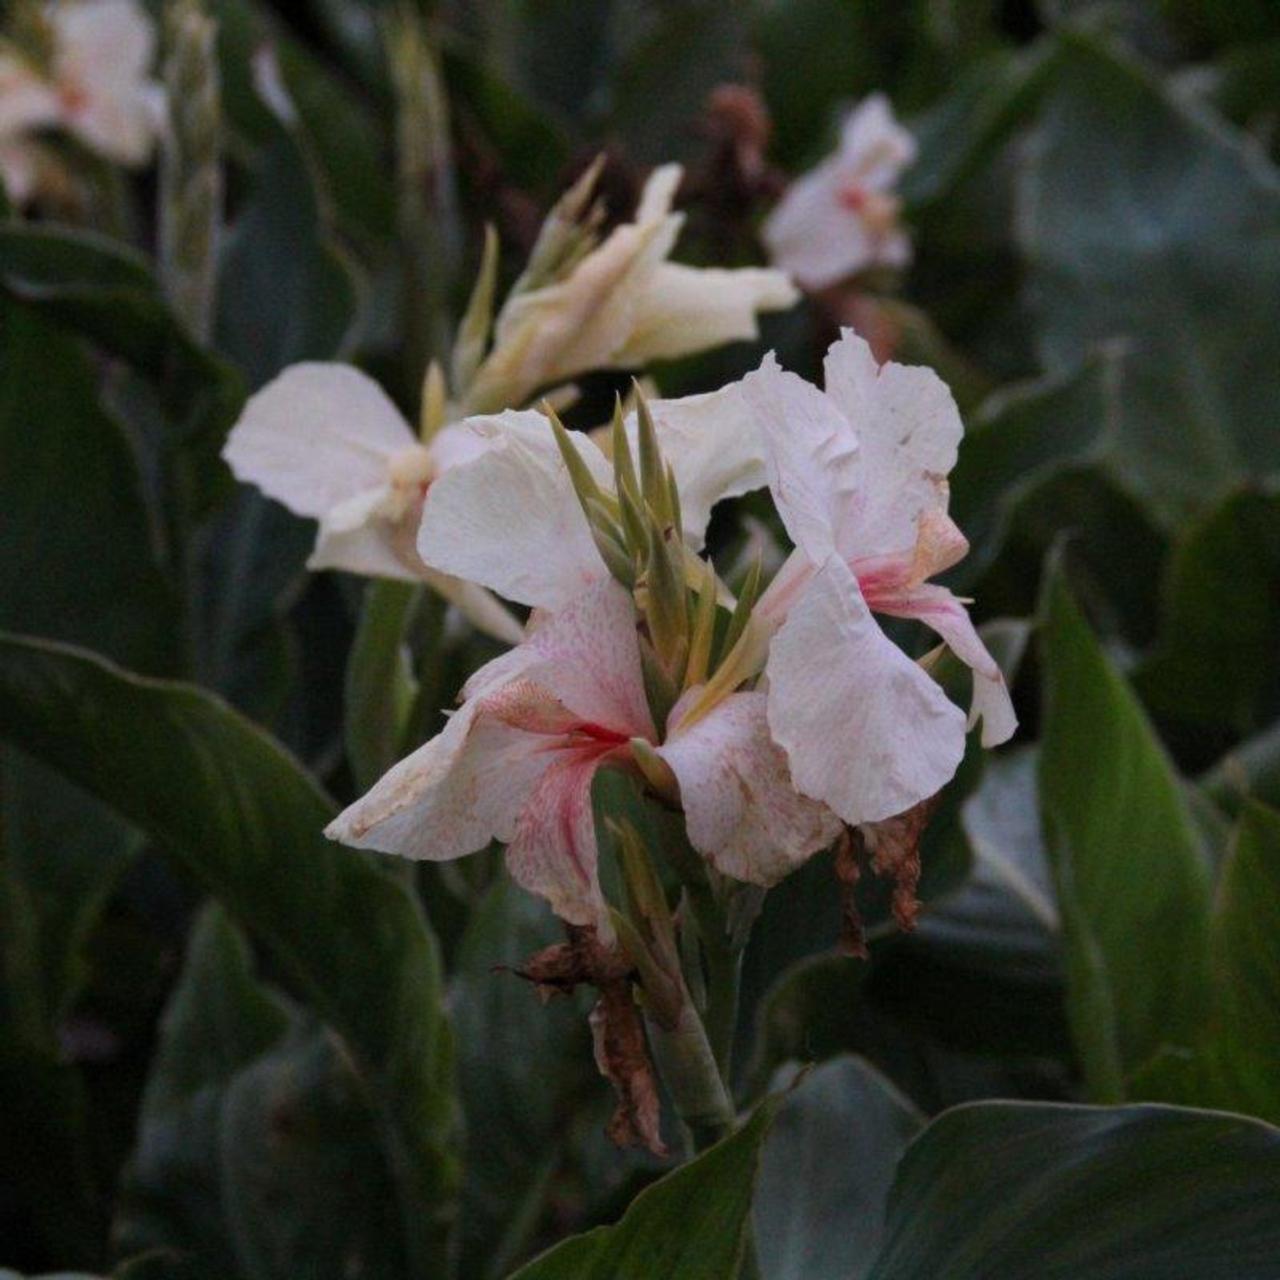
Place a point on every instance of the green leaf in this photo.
(690, 1225)
(1251, 770)
(825, 1175)
(238, 813)
(107, 293)
(380, 686)
(217, 1022)
(74, 500)
(1147, 221)
(284, 292)
(1233, 1063)
(1131, 879)
(1023, 1189)
(1213, 665)
(522, 1067)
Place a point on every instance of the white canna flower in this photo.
(621, 305)
(516, 762)
(511, 520)
(858, 474)
(327, 442)
(842, 217)
(93, 83)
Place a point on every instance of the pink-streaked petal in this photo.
(811, 455)
(453, 795)
(866, 731)
(938, 608)
(588, 656)
(714, 448)
(741, 808)
(908, 430)
(316, 436)
(553, 851)
(509, 518)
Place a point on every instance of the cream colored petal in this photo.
(741, 809)
(909, 430)
(509, 518)
(354, 537)
(865, 730)
(659, 193)
(811, 453)
(684, 310)
(315, 436)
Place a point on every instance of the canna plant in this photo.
(577, 765)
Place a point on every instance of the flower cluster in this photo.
(81, 67)
(772, 721)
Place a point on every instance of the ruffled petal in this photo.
(315, 436)
(909, 430)
(939, 609)
(453, 795)
(683, 310)
(811, 454)
(866, 731)
(741, 809)
(509, 518)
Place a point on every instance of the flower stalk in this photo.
(190, 168)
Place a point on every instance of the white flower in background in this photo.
(327, 442)
(619, 304)
(842, 217)
(516, 762)
(858, 474)
(511, 519)
(92, 82)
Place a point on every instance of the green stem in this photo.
(689, 1070)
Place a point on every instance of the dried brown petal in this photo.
(853, 937)
(894, 848)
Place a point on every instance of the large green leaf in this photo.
(1233, 1065)
(74, 504)
(106, 292)
(256, 1152)
(1214, 662)
(691, 1225)
(1132, 882)
(1147, 221)
(240, 815)
(826, 1170)
(1017, 1189)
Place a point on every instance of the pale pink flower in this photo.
(842, 217)
(516, 763)
(858, 474)
(326, 441)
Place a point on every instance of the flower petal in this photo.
(27, 100)
(683, 310)
(812, 236)
(587, 656)
(714, 448)
(873, 145)
(939, 609)
(510, 519)
(553, 852)
(866, 731)
(315, 436)
(741, 808)
(481, 608)
(811, 454)
(908, 432)
(453, 795)
(355, 537)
